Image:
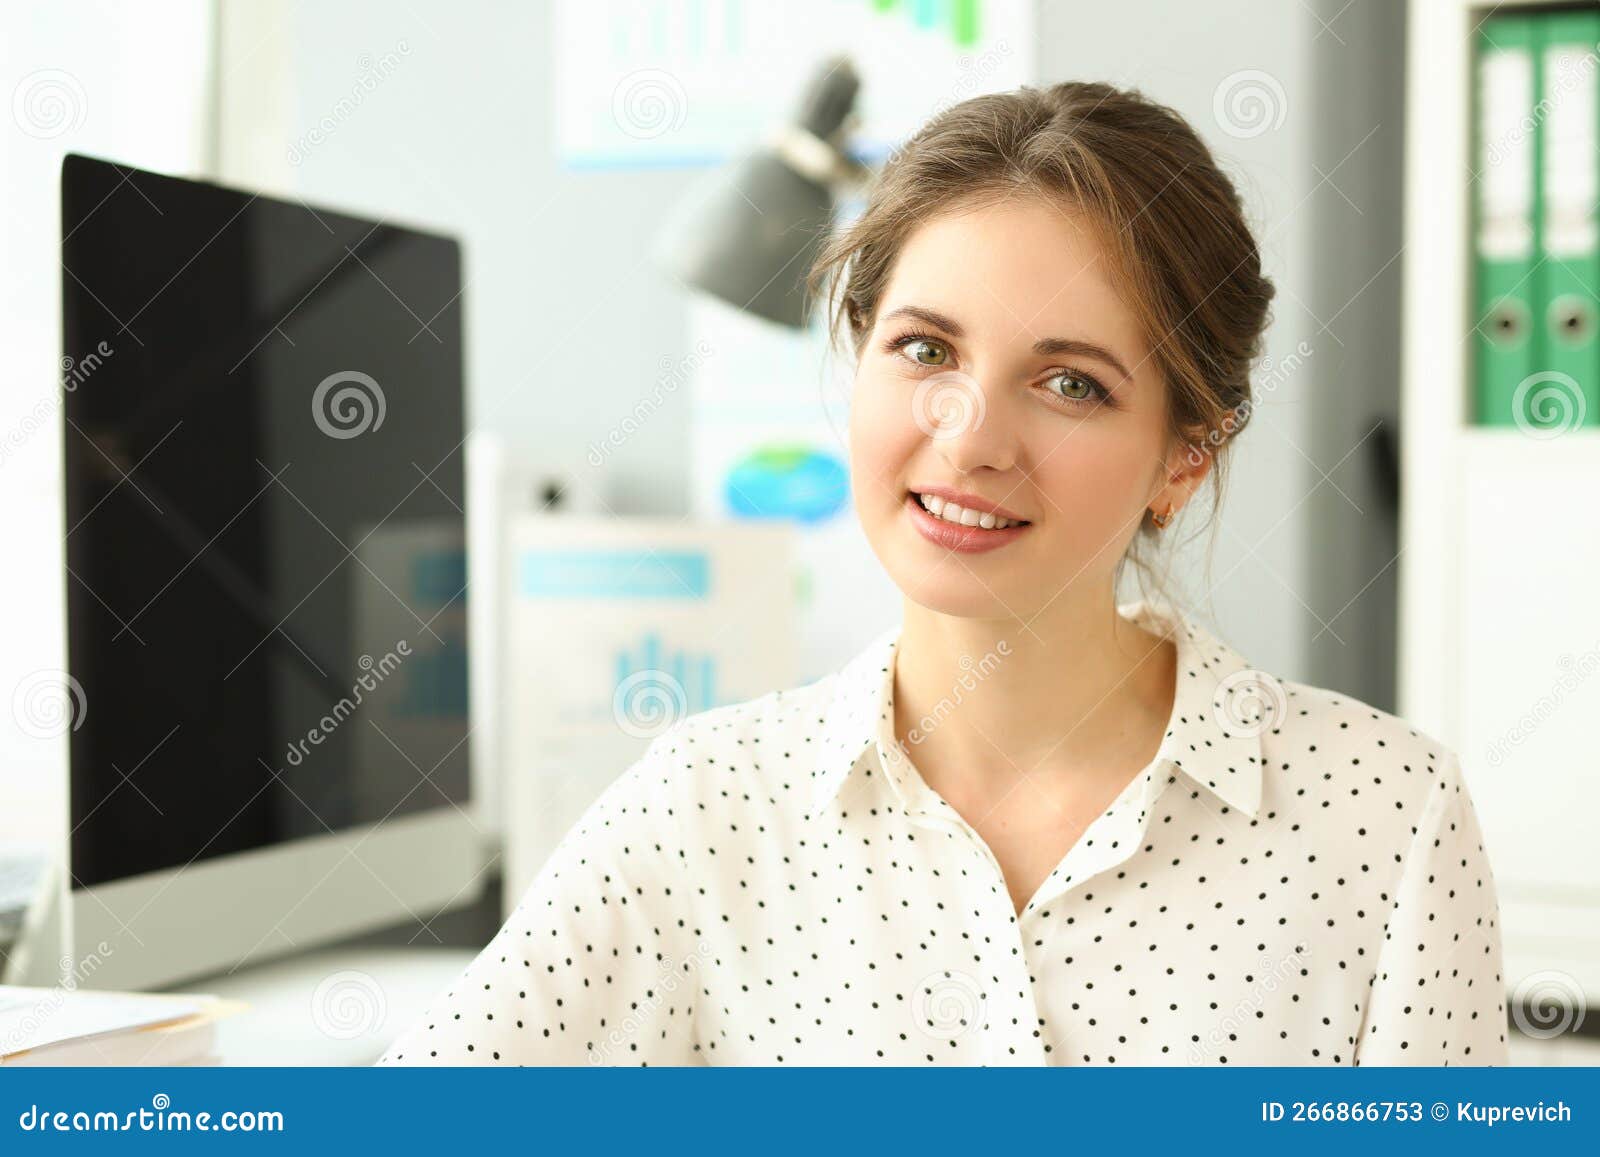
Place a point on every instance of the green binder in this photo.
(1567, 279)
(1505, 224)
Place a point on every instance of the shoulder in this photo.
(774, 729)
(1334, 748)
(688, 764)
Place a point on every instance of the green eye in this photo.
(1075, 387)
(918, 348)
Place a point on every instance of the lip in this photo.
(969, 501)
(962, 539)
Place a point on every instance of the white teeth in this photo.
(950, 512)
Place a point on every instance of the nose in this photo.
(971, 426)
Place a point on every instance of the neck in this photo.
(1075, 690)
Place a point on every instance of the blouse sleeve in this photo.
(593, 967)
(1439, 995)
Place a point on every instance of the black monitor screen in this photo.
(266, 564)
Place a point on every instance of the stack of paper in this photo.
(59, 1026)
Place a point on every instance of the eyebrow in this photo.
(1045, 346)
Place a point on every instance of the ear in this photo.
(1184, 469)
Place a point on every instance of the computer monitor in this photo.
(266, 575)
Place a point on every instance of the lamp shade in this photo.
(747, 234)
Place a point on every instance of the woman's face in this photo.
(1002, 365)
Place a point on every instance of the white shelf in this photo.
(1499, 555)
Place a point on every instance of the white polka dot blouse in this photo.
(1297, 878)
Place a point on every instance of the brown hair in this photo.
(1170, 221)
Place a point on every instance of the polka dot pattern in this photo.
(1297, 878)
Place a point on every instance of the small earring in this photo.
(1161, 520)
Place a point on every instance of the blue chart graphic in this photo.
(645, 83)
(615, 574)
(681, 681)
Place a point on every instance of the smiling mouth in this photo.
(958, 515)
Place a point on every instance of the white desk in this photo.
(339, 1006)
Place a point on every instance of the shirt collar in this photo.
(1213, 734)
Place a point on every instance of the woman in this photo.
(1027, 826)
